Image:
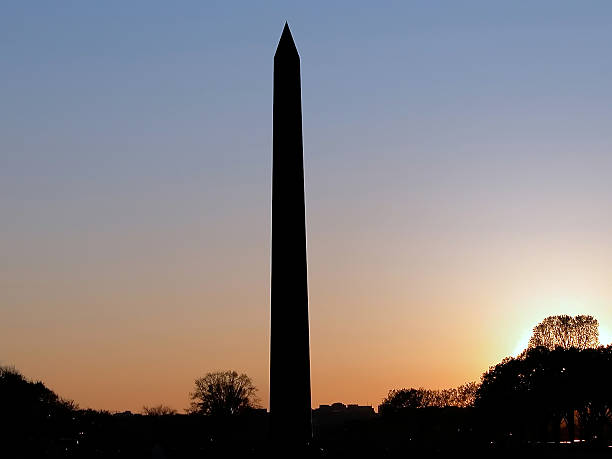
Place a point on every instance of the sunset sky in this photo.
(458, 163)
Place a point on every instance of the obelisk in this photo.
(290, 408)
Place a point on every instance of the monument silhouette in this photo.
(290, 406)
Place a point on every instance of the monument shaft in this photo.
(290, 405)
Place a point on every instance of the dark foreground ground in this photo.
(422, 433)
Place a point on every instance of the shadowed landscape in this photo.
(552, 400)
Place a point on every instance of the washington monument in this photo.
(290, 407)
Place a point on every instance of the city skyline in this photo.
(457, 191)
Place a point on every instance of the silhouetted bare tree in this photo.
(580, 332)
(461, 397)
(223, 394)
(159, 410)
(398, 399)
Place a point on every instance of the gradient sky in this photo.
(458, 185)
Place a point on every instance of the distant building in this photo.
(340, 413)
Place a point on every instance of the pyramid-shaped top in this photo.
(286, 45)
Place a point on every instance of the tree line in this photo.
(563, 377)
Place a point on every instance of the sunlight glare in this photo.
(605, 337)
(521, 345)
